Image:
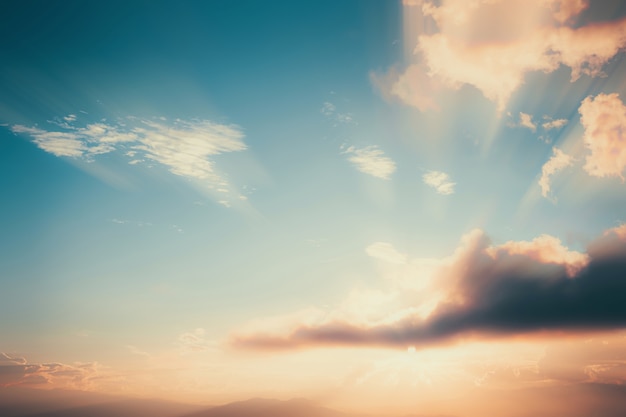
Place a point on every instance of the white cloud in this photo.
(554, 124)
(556, 163)
(386, 252)
(492, 44)
(56, 143)
(526, 120)
(604, 120)
(184, 147)
(372, 161)
(440, 181)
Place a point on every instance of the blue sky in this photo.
(173, 173)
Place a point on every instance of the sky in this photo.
(385, 206)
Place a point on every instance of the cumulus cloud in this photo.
(604, 120)
(502, 290)
(492, 44)
(185, 147)
(440, 181)
(371, 160)
(556, 163)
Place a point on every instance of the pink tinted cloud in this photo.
(492, 44)
(604, 120)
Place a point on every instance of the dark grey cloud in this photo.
(496, 294)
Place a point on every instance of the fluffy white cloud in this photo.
(371, 160)
(556, 163)
(440, 181)
(492, 44)
(604, 120)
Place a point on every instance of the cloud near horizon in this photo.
(512, 289)
(15, 370)
(467, 48)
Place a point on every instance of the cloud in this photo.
(194, 341)
(554, 124)
(604, 120)
(386, 252)
(413, 86)
(556, 163)
(330, 111)
(440, 181)
(185, 147)
(492, 44)
(525, 120)
(490, 291)
(18, 371)
(371, 160)
(56, 143)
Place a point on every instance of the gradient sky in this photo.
(382, 205)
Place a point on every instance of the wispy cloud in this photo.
(194, 341)
(330, 111)
(385, 251)
(371, 160)
(487, 292)
(604, 120)
(556, 163)
(553, 124)
(185, 147)
(526, 120)
(440, 181)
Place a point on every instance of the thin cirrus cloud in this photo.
(556, 163)
(371, 160)
(491, 291)
(535, 35)
(604, 120)
(440, 181)
(185, 147)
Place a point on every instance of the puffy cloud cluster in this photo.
(492, 44)
(485, 291)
